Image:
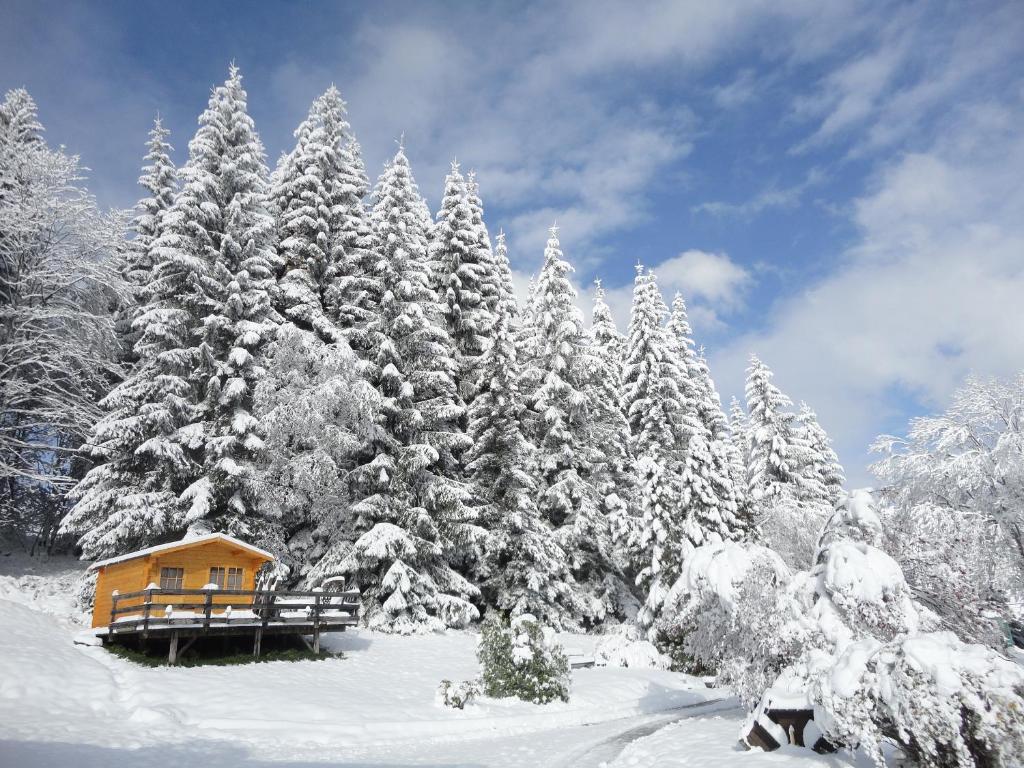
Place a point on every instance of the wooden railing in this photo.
(151, 609)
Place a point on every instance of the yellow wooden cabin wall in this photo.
(196, 559)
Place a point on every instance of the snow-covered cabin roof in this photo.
(205, 539)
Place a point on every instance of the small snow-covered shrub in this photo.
(457, 696)
(523, 660)
(626, 646)
(946, 703)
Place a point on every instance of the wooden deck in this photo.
(188, 614)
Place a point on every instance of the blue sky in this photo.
(835, 186)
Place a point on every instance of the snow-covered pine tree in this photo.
(303, 208)
(461, 280)
(352, 303)
(660, 428)
(788, 502)
(524, 571)
(486, 256)
(225, 222)
(702, 397)
(414, 512)
(149, 446)
(735, 445)
(614, 472)
(738, 441)
(769, 434)
(160, 180)
(567, 449)
(711, 501)
(507, 301)
(319, 413)
(822, 468)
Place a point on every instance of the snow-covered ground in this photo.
(69, 705)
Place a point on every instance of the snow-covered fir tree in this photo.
(769, 433)
(525, 569)
(160, 181)
(309, 243)
(414, 512)
(180, 440)
(462, 277)
(738, 441)
(567, 447)
(660, 429)
(507, 302)
(821, 470)
(318, 192)
(614, 471)
(490, 277)
(320, 415)
(230, 227)
(711, 501)
(788, 499)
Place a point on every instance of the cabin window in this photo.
(226, 578)
(172, 578)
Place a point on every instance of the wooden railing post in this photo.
(145, 612)
(316, 625)
(207, 610)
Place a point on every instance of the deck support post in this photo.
(258, 641)
(172, 654)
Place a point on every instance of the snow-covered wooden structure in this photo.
(203, 586)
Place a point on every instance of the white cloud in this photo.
(773, 197)
(930, 293)
(712, 284)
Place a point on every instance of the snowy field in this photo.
(68, 705)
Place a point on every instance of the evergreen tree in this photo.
(491, 278)
(414, 512)
(228, 224)
(660, 428)
(568, 452)
(769, 434)
(738, 439)
(462, 280)
(525, 568)
(160, 180)
(712, 504)
(735, 445)
(304, 211)
(653, 381)
(614, 472)
(149, 444)
(817, 462)
(507, 302)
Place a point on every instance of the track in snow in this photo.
(602, 753)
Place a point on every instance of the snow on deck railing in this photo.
(150, 609)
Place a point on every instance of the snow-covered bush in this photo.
(522, 660)
(944, 702)
(626, 646)
(457, 695)
(739, 613)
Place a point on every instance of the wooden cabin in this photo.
(215, 558)
(209, 586)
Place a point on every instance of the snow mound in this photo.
(625, 647)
